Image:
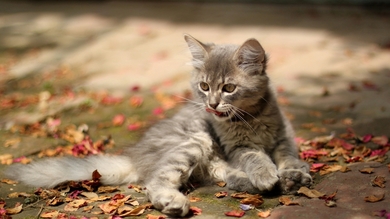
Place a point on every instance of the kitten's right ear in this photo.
(198, 50)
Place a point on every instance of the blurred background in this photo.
(329, 60)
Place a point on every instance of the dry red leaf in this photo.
(285, 200)
(310, 193)
(118, 120)
(195, 210)
(315, 167)
(374, 197)
(235, 213)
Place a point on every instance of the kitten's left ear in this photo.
(250, 53)
(198, 50)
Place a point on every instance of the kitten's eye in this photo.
(228, 88)
(204, 86)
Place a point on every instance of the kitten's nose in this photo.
(213, 105)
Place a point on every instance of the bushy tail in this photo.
(115, 170)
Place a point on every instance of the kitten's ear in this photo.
(198, 50)
(250, 55)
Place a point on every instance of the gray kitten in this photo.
(232, 131)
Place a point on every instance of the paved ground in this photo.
(330, 66)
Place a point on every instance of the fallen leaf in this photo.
(380, 140)
(194, 199)
(221, 194)
(374, 198)
(107, 189)
(134, 126)
(136, 101)
(264, 214)
(75, 205)
(118, 120)
(195, 210)
(240, 195)
(315, 167)
(379, 181)
(50, 214)
(367, 170)
(285, 200)
(311, 193)
(88, 208)
(255, 200)
(330, 203)
(330, 168)
(221, 184)
(149, 216)
(15, 210)
(13, 142)
(235, 213)
(9, 181)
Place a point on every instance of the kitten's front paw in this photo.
(265, 177)
(171, 202)
(293, 179)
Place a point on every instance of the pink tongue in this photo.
(213, 111)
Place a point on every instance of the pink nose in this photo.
(213, 105)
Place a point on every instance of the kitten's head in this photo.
(229, 79)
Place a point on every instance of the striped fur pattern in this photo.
(232, 131)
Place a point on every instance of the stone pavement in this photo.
(326, 63)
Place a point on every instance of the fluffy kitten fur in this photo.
(232, 131)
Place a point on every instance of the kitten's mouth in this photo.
(217, 113)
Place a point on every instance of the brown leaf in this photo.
(9, 181)
(195, 199)
(379, 181)
(15, 210)
(96, 175)
(264, 214)
(88, 208)
(380, 140)
(75, 205)
(107, 189)
(367, 170)
(240, 195)
(330, 203)
(375, 197)
(221, 194)
(310, 193)
(149, 216)
(330, 169)
(221, 184)
(49, 214)
(255, 200)
(54, 201)
(285, 200)
(90, 195)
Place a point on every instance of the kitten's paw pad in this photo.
(172, 203)
(292, 179)
(265, 178)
